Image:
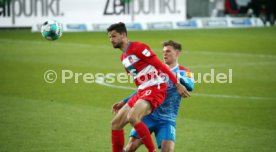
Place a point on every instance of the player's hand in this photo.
(117, 106)
(182, 90)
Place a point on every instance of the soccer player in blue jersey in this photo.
(162, 120)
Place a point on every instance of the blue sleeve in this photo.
(188, 82)
(126, 99)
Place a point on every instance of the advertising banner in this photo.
(26, 13)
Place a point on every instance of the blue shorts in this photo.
(163, 130)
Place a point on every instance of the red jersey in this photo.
(142, 63)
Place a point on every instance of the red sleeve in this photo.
(149, 56)
(159, 65)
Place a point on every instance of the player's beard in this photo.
(118, 45)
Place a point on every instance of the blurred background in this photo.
(139, 14)
(264, 9)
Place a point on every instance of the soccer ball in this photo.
(51, 30)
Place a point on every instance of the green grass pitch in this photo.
(36, 116)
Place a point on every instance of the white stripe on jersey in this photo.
(155, 81)
(147, 70)
(130, 60)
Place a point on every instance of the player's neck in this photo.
(172, 65)
(125, 46)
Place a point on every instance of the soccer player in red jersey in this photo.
(146, 68)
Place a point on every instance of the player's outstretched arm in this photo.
(154, 61)
(158, 64)
(147, 55)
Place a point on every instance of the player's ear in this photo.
(124, 34)
(177, 53)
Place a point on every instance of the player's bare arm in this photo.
(182, 90)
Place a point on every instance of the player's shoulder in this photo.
(139, 44)
(184, 69)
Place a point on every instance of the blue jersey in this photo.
(168, 110)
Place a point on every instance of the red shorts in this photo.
(152, 94)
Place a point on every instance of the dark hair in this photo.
(118, 27)
(175, 45)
